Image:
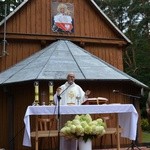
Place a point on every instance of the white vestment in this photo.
(70, 94)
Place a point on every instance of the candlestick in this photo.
(36, 90)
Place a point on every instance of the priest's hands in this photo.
(58, 91)
(88, 92)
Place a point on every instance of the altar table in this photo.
(127, 116)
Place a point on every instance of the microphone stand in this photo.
(59, 98)
(132, 145)
(128, 95)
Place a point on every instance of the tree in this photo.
(133, 18)
(138, 32)
(9, 5)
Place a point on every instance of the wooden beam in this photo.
(38, 37)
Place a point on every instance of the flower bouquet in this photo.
(82, 126)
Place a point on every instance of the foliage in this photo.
(145, 125)
(133, 18)
(9, 5)
(143, 105)
(84, 127)
(116, 10)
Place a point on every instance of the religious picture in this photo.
(62, 17)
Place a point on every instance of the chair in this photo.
(43, 130)
(110, 130)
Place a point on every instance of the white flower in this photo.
(93, 123)
(73, 128)
(88, 130)
(76, 122)
(79, 130)
(68, 123)
(99, 129)
(83, 126)
(77, 117)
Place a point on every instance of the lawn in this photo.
(146, 137)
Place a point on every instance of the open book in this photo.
(95, 101)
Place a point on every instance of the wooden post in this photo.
(118, 134)
(36, 133)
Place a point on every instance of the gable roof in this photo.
(95, 6)
(55, 61)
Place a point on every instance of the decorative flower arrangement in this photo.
(82, 126)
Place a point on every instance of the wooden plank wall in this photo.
(17, 51)
(30, 26)
(111, 54)
(3, 118)
(35, 19)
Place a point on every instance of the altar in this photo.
(126, 114)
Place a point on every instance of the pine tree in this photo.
(9, 5)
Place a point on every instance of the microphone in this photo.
(128, 95)
(115, 91)
(70, 83)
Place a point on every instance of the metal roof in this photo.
(55, 61)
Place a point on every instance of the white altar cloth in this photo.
(127, 116)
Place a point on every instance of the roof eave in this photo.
(139, 84)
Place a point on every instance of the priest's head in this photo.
(71, 77)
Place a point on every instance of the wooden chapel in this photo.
(33, 29)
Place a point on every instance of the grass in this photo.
(146, 137)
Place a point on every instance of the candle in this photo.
(51, 97)
(36, 88)
(51, 89)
